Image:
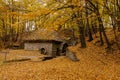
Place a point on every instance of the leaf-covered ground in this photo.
(94, 64)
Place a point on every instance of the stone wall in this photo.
(38, 46)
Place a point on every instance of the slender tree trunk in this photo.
(87, 23)
(11, 26)
(104, 34)
(82, 36)
(100, 32)
(118, 13)
(81, 30)
(94, 30)
(4, 34)
(114, 29)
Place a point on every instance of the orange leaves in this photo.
(94, 64)
(34, 14)
(99, 1)
(44, 11)
(2, 9)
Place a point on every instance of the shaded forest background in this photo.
(89, 19)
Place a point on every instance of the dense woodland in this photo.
(86, 17)
(92, 26)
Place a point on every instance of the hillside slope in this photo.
(94, 64)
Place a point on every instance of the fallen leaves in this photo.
(90, 67)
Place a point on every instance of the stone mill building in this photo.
(49, 42)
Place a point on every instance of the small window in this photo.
(43, 51)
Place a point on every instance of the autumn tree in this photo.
(82, 16)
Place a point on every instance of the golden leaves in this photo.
(98, 1)
(92, 65)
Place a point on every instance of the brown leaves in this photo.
(90, 67)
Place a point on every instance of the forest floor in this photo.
(94, 64)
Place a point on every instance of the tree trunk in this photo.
(100, 32)
(90, 38)
(82, 36)
(114, 27)
(81, 30)
(94, 30)
(103, 31)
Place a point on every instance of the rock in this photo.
(71, 55)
